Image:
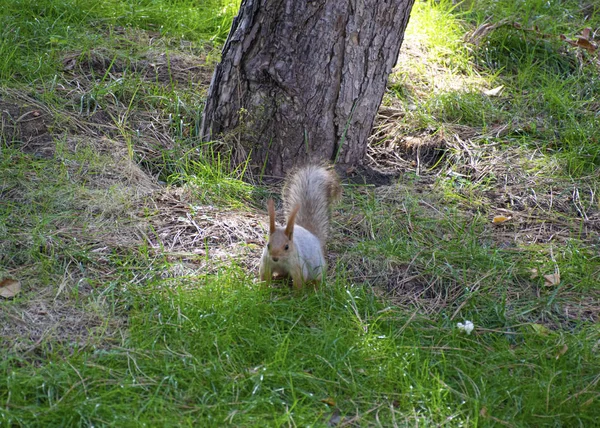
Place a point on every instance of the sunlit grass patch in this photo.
(219, 349)
(257, 355)
(435, 34)
(205, 172)
(512, 74)
(35, 33)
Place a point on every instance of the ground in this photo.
(137, 251)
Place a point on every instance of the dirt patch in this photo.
(109, 204)
(94, 219)
(402, 284)
(395, 148)
(407, 288)
(569, 309)
(547, 211)
(537, 224)
(153, 66)
(509, 181)
(368, 175)
(588, 309)
(26, 125)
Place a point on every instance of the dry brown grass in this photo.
(203, 237)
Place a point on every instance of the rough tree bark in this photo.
(302, 80)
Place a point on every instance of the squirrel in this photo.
(298, 249)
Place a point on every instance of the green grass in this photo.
(550, 90)
(135, 244)
(216, 350)
(36, 32)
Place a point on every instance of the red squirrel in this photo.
(297, 250)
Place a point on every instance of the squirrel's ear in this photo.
(271, 209)
(289, 228)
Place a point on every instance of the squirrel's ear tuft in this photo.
(289, 228)
(271, 209)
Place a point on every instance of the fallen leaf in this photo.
(500, 219)
(9, 288)
(329, 401)
(585, 33)
(494, 92)
(562, 351)
(534, 273)
(586, 44)
(581, 42)
(552, 279)
(483, 412)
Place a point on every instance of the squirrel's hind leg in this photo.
(297, 277)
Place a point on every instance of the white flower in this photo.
(467, 327)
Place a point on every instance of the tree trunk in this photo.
(301, 81)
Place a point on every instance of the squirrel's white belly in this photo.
(310, 253)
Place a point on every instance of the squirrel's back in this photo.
(313, 188)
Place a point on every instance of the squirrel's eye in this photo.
(287, 247)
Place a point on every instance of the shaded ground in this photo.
(86, 144)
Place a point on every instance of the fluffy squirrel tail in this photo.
(312, 188)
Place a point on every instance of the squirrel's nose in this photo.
(275, 259)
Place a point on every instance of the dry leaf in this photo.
(581, 42)
(9, 288)
(562, 351)
(483, 412)
(552, 279)
(585, 33)
(500, 219)
(534, 273)
(329, 401)
(494, 92)
(586, 44)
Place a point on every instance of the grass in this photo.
(36, 32)
(219, 351)
(549, 93)
(136, 247)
